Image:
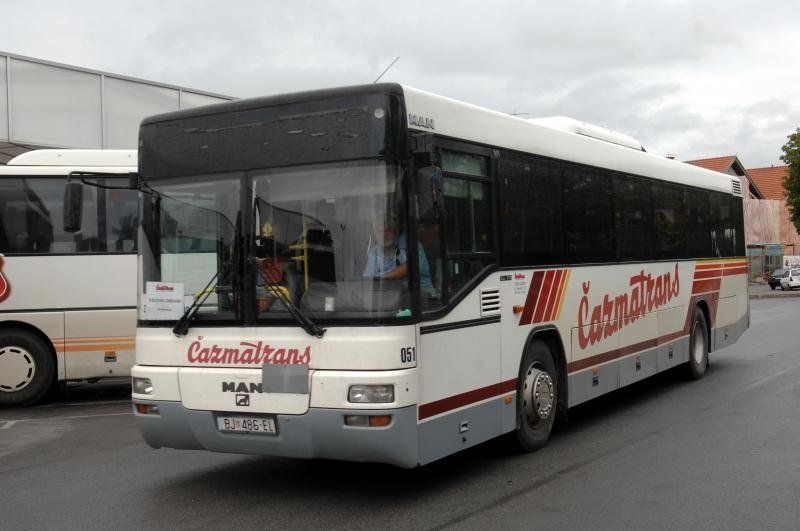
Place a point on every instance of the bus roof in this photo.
(562, 139)
(77, 158)
(558, 138)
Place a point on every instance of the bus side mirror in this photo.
(429, 191)
(73, 206)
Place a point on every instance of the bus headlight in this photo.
(371, 394)
(142, 386)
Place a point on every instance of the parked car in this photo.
(791, 279)
(774, 279)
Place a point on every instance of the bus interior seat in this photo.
(294, 281)
(314, 298)
(321, 265)
(87, 245)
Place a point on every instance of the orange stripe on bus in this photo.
(89, 339)
(96, 347)
(563, 292)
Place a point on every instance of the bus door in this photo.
(459, 341)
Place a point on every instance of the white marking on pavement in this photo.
(770, 378)
(105, 403)
(8, 424)
(68, 418)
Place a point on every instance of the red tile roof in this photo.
(769, 180)
(720, 164)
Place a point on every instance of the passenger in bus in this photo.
(271, 268)
(387, 257)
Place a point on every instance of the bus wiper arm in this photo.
(182, 326)
(302, 319)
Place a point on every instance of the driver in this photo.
(387, 257)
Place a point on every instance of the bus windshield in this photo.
(189, 237)
(331, 239)
(328, 240)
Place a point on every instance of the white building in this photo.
(45, 104)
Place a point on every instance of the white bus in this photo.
(67, 300)
(381, 274)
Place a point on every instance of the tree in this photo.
(791, 156)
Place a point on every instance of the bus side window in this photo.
(121, 220)
(468, 218)
(26, 218)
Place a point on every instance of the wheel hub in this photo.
(17, 369)
(699, 344)
(538, 397)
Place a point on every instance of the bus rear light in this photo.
(518, 308)
(146, 409)
(142, 386)
(379, 421)
(371, 394)
(368, 421)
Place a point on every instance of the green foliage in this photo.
(791, 156)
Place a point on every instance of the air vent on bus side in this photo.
(736, 187)
(490, 302)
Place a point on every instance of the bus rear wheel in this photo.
(27, 368)
(698, 346)
(537, 396)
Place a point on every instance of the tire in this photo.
(698, 346)
(27, 368)
(537, 396)
(772, 287)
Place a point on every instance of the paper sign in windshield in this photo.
(163, 301)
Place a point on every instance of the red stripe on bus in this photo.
(544, 295)
(554, 295)
(704, 286)
(464, 399)
(611, 355)
(735, 271)
(708, 273)
(530, 301)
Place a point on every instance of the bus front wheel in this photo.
(698, 346)
(27, 368)
(537, 396)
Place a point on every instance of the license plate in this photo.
(240, 424)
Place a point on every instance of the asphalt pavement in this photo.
(667, 453)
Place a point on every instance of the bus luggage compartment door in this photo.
(241, 390)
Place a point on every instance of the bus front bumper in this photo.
(319, 433)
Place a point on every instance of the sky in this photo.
(694, 79)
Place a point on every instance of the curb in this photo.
(779, 295)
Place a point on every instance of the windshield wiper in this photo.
(276, 291)
(182, 326)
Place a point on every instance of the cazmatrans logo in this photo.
(612, 312)
(5, 287)
(246, 353)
